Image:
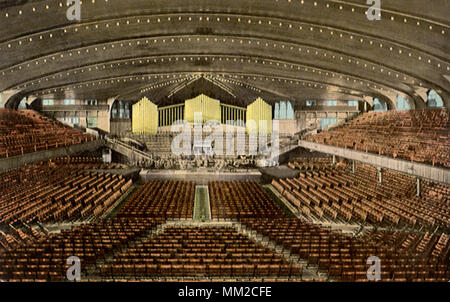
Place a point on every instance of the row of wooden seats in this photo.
(26, 131)
(174, 253)
(46, 259)
(170, 199)
(12, 237)
(344, 257)
(312, 163)
(240, 199)
(51, 192)
(416, 135)
(340, 194)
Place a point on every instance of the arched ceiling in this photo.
(279, 49)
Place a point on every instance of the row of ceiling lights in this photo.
(305, 50)
(354, 8)
(210, 58)
(224, 76)
(334, 33)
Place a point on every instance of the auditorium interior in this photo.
(224, 141)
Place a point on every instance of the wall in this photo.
(287, 127)
(118, 126)
(308, 119)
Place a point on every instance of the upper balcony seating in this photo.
(416, 135)
(26, 131)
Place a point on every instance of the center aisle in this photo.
(202, 210)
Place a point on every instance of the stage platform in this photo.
(201, 176)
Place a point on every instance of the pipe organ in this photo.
(210, 108)
(144, 117)
(147, 117)
(259, 113)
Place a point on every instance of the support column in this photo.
(165, 117)
(334, 160)
(353, 166)
(107, 155)
(379, 175)
(419, 187)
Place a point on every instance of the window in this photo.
(283, 110)
(325, 122)
(378, 105)
(23, 104)
(114, 112)
(310, 103)
(276, 114)
(121, 109)
(353, 103)
(434, 100)
(289, 111)
(91, 102)
(47, 102)
(330, 103)
(69, 102)
(73, 120)
(402, 104)
(91, 122)
(127, 113)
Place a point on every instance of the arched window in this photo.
(127, 113)
(289, 111)
(434, 100)
(283, 110)
(121, 109)
(276, 113)
(402, 104)
(378, 105)
(23, 104)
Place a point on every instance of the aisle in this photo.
(202, 210)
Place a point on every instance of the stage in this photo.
(202, 176)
